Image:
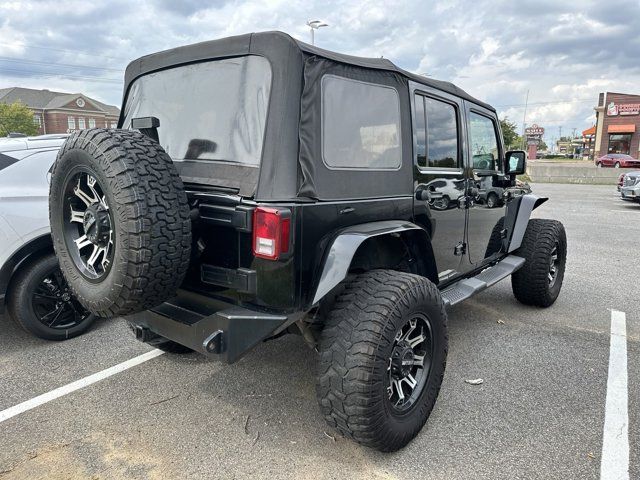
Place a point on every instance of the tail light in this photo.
(271, 232)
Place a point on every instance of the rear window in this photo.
(210, 111)
(360, 125)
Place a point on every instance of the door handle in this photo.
(347, 210)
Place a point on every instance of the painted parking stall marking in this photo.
(615, 440)
(77, 385)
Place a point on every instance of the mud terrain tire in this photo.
(544, 248)
(358, 345)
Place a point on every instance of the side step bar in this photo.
(470, 286)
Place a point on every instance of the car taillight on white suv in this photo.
(271, 232)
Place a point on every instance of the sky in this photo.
(561, 53)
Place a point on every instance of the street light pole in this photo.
(313, 26)
(524, 122)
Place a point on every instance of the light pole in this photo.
(524, 122)
(314, 25)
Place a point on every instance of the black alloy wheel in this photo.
(409, 363)
(41, 302)
(53, 304)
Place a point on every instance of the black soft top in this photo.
(293, 126)
(259, 43)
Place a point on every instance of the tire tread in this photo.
(530, 284)
(350, 348)
(156, 236)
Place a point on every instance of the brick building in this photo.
(57, 112)
(617, 124)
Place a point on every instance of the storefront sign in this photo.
(534, 130)
(534, 134)
(614, 109)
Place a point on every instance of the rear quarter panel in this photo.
(321, 222)
(24, 202)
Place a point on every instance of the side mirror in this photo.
(516, 162)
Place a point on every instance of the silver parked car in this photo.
(32, 287)
(630, 188)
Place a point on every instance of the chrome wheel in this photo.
(554, 263)
(88, 226)
(409, 363)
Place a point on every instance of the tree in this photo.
(16, 117)
(509, 134)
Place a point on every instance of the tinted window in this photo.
(208, 111)
(484, 142)
(360, 124)
(421, 131)
(6, 161)
(436, 133)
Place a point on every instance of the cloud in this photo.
(563, 54)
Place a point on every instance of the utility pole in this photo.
(524, 122)
(560, 132)
(573, 135)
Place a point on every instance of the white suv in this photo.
(31, 285)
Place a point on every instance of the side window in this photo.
(360, 125)
(436, 133)
(483, 138)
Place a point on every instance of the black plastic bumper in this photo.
(213, 328)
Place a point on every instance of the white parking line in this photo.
(77, 385)
(615, 440)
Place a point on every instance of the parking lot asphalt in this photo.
(539, 413)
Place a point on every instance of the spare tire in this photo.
(119, 220)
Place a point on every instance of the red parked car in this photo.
(621, 180)
(617, 160)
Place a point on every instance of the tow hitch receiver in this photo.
(143, 334)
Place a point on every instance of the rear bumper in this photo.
(213, 328)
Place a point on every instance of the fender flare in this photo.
(517, 219)
(344, 246)
(37, 246)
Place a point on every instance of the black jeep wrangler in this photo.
(258, 186)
